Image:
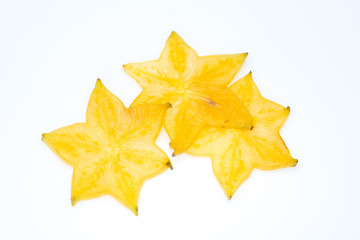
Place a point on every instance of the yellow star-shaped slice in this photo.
(114, 152)
(236, 152)
(195, 86)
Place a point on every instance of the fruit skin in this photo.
(114, 152)
(236, 152)
(196, 87)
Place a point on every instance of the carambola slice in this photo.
(114, 152)
(236, 152)
(195, 86)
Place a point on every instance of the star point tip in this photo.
(170, 165)
(136, 211)
(296, 161)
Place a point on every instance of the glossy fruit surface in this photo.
(196, 87)
(114, 152)
(236, 152)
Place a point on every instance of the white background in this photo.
(303, 54)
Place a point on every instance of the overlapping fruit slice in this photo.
(195, 86)
(114, 152)
(236, 152)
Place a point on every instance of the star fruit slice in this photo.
(114, 152)
(236, 152)
(195, 86)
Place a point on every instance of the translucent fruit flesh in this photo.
(196, 87)
(114, 152)
(236, 152)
